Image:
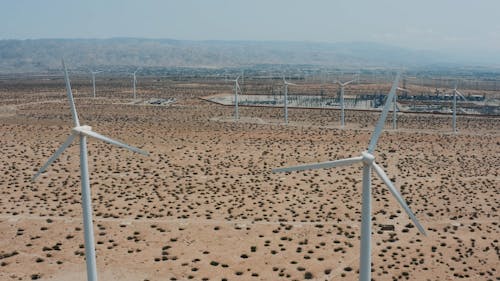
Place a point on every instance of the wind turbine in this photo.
(82, 132)
(135, 80)
(236, 88)
(368, 160)
(93, 79)
(455, 92)
(395, 108)
(358, 76)
(342, 106)
(286, 97)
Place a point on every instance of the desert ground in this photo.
(205, 206)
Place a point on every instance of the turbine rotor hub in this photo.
(368, 158)
(80, 129)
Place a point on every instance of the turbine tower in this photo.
(93, 79)
(342, 106)
(395, 108)
(236, 88)
(368, 160)
(82, 132)
(135, 80)
(455, 92)
(286, 97)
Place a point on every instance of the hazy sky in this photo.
(450, 25)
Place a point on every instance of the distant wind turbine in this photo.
(236, 88)
(454, 121)
(395, 108)
(342, 106)
(93, 79)
(135, 80)
(286, 97)
(82, 132)
(368, 160)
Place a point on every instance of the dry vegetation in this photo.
(205, 205)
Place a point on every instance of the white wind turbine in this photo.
(395, 108)
(82, 132)
(236, 88)
(368, 160)
(358, 76)
(454, 121)
(135, 80)
(286, 84)
(93, 79)
(342, 106)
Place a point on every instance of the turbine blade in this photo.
(322, 165)
(113, 142)
(58, 152)
(381, 121)
(292, 84)
(70, 96)
(460, 94)
(398, 196)
(348, 82)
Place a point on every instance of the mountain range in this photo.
(43, 55)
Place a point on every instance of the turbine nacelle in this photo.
(136, 70)
(345, 83)
(367, 158)
(288, 83)
(81, 130)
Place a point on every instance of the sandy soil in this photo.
(205, 205)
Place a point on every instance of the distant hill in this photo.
(43, 55)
